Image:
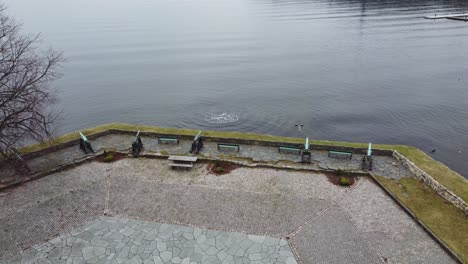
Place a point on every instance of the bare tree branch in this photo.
(25, 95)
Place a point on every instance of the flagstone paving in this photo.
(116, 240)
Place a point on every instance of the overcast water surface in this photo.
(352, 70)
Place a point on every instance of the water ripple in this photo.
(221, 118)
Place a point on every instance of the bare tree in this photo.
(25, 96)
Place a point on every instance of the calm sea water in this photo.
(354, 70)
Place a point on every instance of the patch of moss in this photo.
(219, 170)
(445, 220)
(343, 181)
(108, 158)
(231, 156)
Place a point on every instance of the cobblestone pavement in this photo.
(202, 200)
(34, 212)
(366, 227)
(325, 223)
(386, 228)
(384, 166)
(115, 240)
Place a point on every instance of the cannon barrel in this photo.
(306, 145)
(197, 136)
(18, 156)
(369, 150)
(83, 136)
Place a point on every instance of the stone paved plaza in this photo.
(115, 240)
(321, 222)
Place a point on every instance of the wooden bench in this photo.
(182, 161)
(168, 140)
(228, 147)
(289, 149)
(340, 154)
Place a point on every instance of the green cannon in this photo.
(137, 145)
(85, 145)
(197, 143)
(367, 159)
(306, 156)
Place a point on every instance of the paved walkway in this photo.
(117, 240)
(325, 223)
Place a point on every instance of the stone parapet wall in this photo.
(378, 152)
(60, 146)
(429, 180)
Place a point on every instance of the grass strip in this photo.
(447, 222)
